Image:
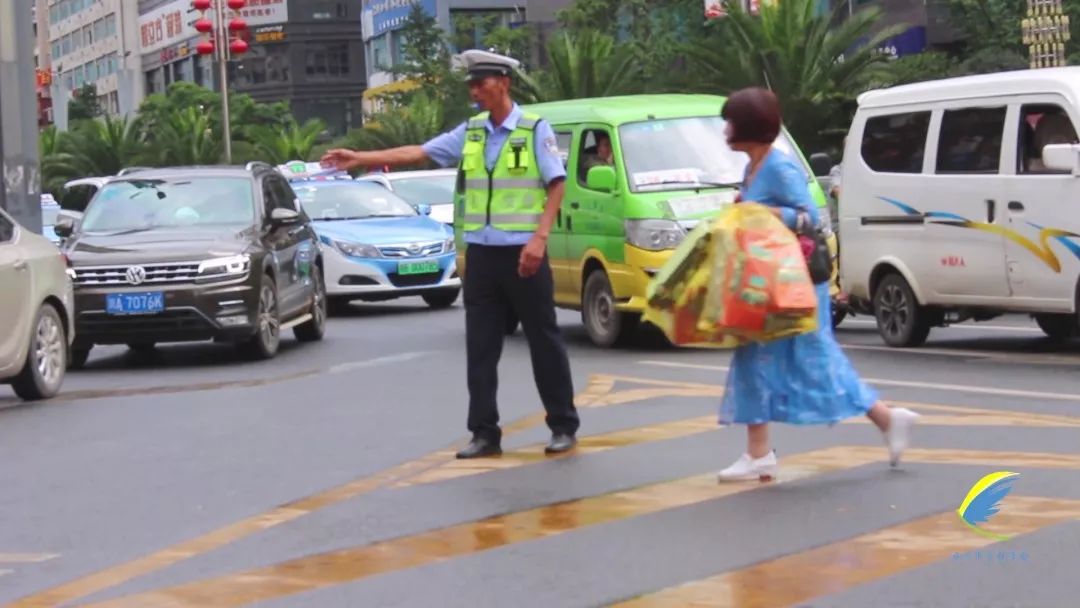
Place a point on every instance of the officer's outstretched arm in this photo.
(346, 160)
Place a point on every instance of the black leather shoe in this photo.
(561, 443)
(479, 448)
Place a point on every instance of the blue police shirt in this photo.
(446, 150)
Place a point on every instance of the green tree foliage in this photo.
(84, 104)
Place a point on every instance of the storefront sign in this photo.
(174, 22)
(271, 33)
(381, 16)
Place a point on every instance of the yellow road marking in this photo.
(349, 565)
(833, 568)
(592, 396)
(586, 445)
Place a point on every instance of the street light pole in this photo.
(223, 58)
(222, 49)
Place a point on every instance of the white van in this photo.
(961, 201)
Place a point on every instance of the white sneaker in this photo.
(899, 433)
(747, 468)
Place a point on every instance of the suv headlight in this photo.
(357, 250)
(449, 245)
(220, 268)
(654, 235)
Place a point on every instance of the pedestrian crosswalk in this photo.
(889, 551)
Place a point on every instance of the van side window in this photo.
(1041, 125)
(562, 140)
(896, 143)
(970, 140)
(595, 150)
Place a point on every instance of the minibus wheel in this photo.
(605, 324)
(901, 321)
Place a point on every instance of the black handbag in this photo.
(818, 259)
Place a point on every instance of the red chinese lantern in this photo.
(205, 47)
(237, 25)
(238, 47)
(237, 4)
(204, 25)
(201, 5)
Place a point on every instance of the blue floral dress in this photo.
(805, 379)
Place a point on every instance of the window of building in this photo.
(380, 53)
(327, 61)
(896, 143)
(970, 140)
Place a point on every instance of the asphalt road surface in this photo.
(326, 477)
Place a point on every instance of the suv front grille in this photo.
(413, 250)
(177, 321)
(155, 274)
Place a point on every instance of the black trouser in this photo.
(492, 286)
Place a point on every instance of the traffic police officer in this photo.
(513, 187)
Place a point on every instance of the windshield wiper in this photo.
(700, 183)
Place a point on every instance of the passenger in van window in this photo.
(1052, 128)
(603, 154)
(805, 379)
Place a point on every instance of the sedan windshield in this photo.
(350, 201)
(146, 204)
(430, 190)
(695, 152)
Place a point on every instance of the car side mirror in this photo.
(281, 216)
(66, 221)
(1062, 157)
(424, 209)
(601, 179)
(821, 163)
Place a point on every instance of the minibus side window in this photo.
(1041, 125)
(562, 140)
(896, 143)
(970, 140)
(595, 150)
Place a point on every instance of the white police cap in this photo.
(479, 64)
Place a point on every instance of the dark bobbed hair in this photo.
(754, 114)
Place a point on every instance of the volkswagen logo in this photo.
(136, 275)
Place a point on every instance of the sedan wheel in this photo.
(46, 359)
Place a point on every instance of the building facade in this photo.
(467, 23)
(93, 42)
(305, 53)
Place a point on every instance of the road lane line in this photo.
(138, 391)
(956, 388)
(352, 564)
(591, 396)
(837, 567)
(26, 558)
(974, 327)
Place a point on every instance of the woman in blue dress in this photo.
(805, 379)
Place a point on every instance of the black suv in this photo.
(194, 253)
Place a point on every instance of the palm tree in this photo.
(185, 137)
(280, 145)
(408, 125)
(57, 166)
(813, 64)
(99, 147)
(585, 64)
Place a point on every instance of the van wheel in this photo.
(901, 320)
(1059, 328)
(46, 358)
(605, 325)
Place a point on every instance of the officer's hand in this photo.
(532, 254)
(340, 159)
